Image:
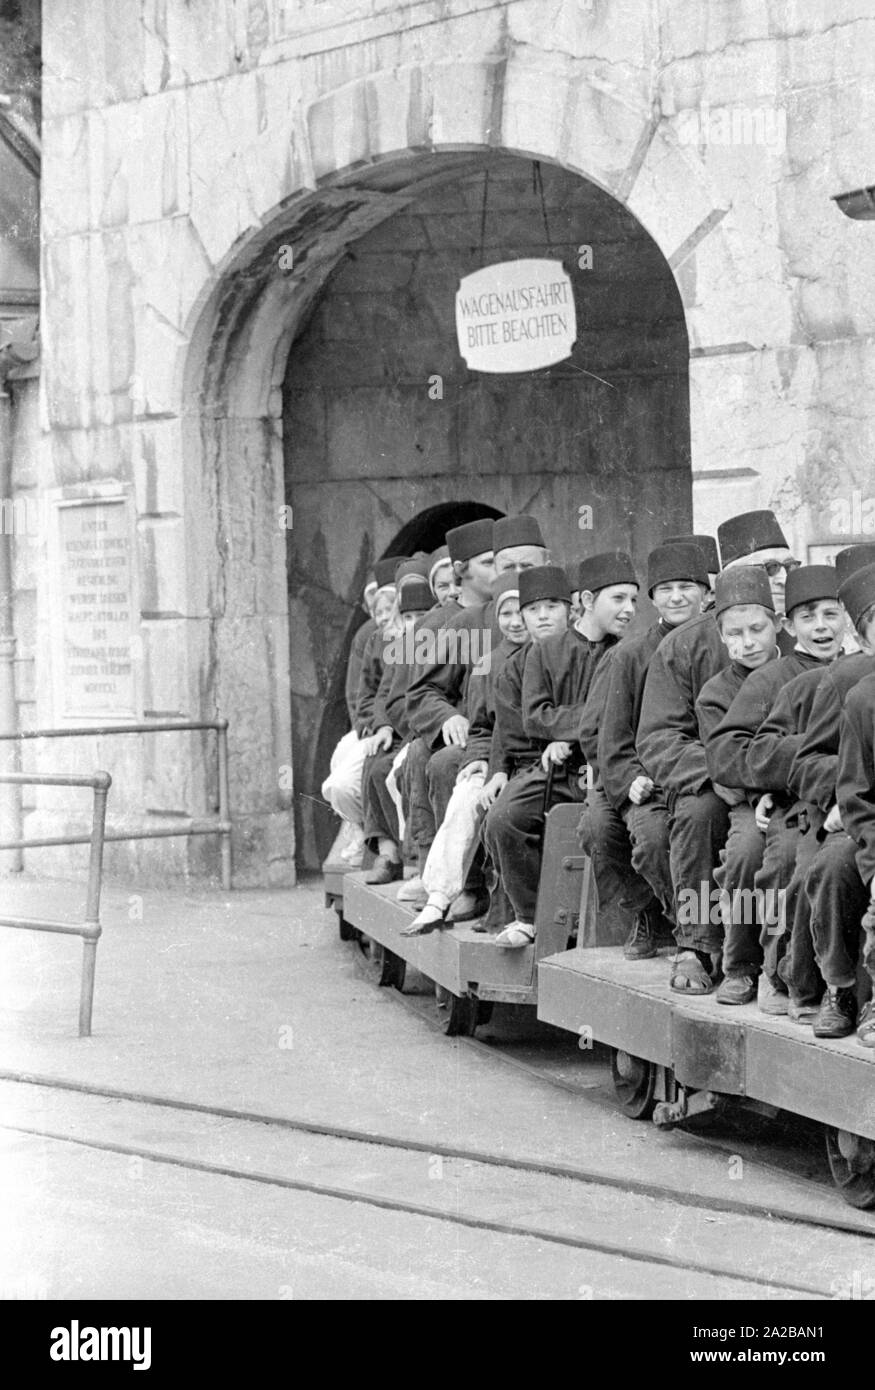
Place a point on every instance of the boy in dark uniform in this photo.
(837, 930)
(759, 856)
(708, 547)
(811, 778)
(545, 604)
(516, 544)
(442, 576)
(672, 754)
(436, 695)
(343, 785)
(381, 830)
(357, 648)
(624, 827)
(556, 681)
(435, 698)
(455, 845)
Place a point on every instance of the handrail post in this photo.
(224, 801)
(92, 929)
(10, 795)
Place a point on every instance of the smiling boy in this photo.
(624, 828)
(556, 681)
(760, 856)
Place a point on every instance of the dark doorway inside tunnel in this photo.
(389, 438)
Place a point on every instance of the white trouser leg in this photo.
(343, 785)
(394, 790)
(455, 844)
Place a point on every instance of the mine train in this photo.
(674, 1059)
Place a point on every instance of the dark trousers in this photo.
(735, 874)
(428, 779)
(513, 831)
(603, 836)
(838, 899)
(414, 784)
(381, 817)
(798, 969)
(648, 831)
(776, 887)
(698, 825)
(440, 775)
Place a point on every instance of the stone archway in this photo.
(421, 126)
(382, 417)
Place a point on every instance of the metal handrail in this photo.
(220, 826)
(90, 929)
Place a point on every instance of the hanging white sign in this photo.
(516, 316)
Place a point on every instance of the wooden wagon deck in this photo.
(709, 1046)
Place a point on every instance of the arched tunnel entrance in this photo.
(389, 438)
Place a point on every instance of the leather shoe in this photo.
(737, 989)
(837, 1015)
(468, 907)
(385, 870)
(641, 943)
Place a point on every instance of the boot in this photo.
(837, 1014)
(641, 942)
(385, 870)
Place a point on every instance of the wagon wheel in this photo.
(382, 966)
(852, 1164)
(635, 1084)
(347, 931)
(394, 970)
(461, 1016)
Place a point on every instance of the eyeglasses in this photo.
(773, 567)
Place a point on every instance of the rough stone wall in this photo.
(185, 141)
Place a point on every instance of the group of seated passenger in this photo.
(723, 756)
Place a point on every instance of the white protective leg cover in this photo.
(394, 790)
(343, 785)
(455, 844)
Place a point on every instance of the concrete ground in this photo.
(249, 1002)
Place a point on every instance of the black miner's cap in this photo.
(508, 531)
(384, 570)
(808, 584)
(858, 593)
(854, 557)
(474, 538)
(706, 544)
(680, 560)
(416, 595)
(749, 584)
(544, 581)
(749, 531)
(608, 567)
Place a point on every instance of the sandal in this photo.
(422, 925)
(866, 1025)
(687, 967)
(516, 935)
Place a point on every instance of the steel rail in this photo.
(635, 1254)
(550, 1168)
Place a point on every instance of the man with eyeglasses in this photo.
(771, 552)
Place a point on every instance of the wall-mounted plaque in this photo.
(95, 614)
(516, 316)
